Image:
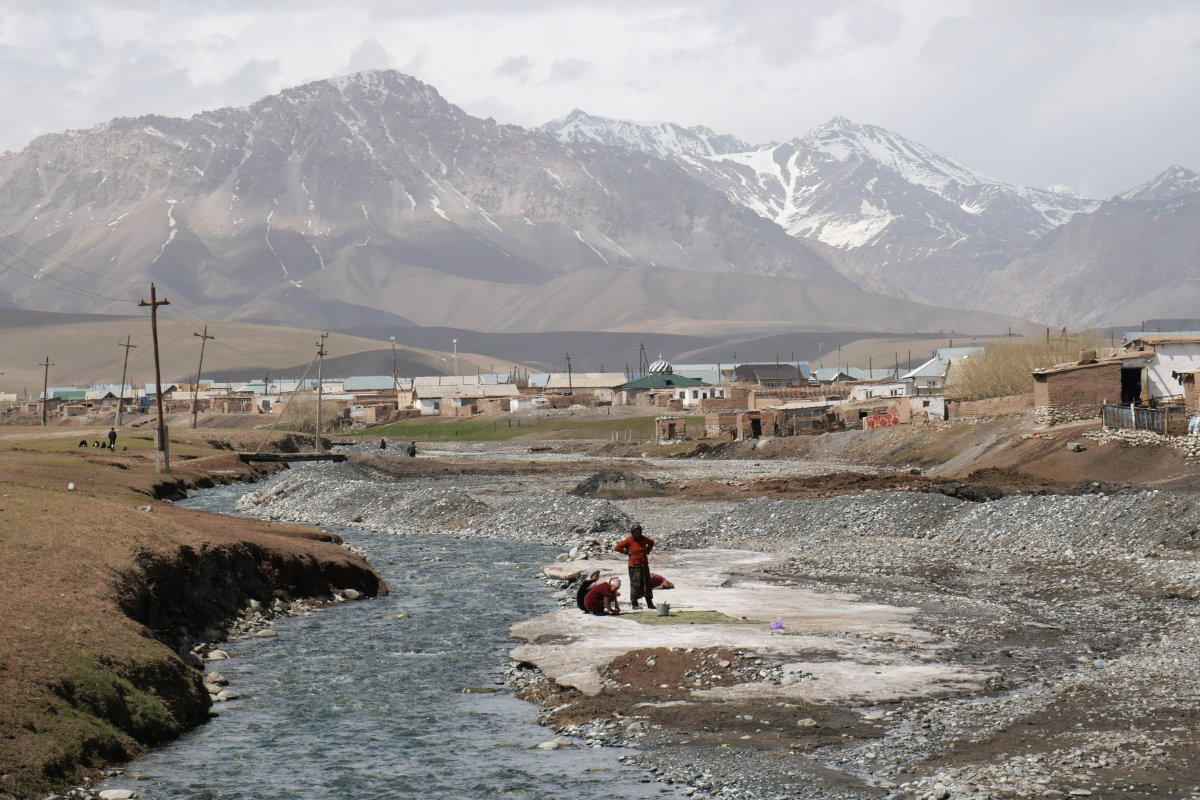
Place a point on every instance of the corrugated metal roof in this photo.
(586, 380)
(478, 390)
(369, 383)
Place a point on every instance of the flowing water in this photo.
(349, 704)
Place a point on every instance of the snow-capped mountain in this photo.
(1173, 183)
(896, 208)
(344, 198)
(661, 139)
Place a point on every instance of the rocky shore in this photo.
(1078, 609)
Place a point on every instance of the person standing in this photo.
(638, 548)
(112, 439)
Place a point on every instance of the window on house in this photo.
(924, 404)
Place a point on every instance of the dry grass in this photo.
(1005, 367)
(84, 684)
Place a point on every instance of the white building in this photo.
(1167, 356)
(931, 376)
(870, 391)
(692, 395)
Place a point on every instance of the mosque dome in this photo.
(661, 367)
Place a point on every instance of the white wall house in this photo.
(692, 395)
(1170, 359)
(870, 391)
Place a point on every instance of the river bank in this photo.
(1060, 629)
(109, 588)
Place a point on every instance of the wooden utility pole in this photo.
(162, 450)
(124, 372)
(204, 337)
(395, 381)
(320, 387)
(570, 380)
(45, 387)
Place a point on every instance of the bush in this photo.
(1006, 368)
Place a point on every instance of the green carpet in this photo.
(687, 618)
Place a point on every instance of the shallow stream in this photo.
(349, 704)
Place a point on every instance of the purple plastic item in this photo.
(776, 626)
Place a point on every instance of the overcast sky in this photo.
(1095, 94)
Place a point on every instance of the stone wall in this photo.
(1057, 415)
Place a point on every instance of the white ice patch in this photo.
(579, 236)
(437, 208)
(267, 236)
(368, 216)
(170, 226)
(555, 176)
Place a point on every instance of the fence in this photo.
(1134, 418)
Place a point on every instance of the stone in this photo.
(117, 794)
(562, 572)
(217, 655)
(547, 746)
(267, 634)
(351, 594)
(634, 727)
(401, 615)
(807, 722)
(1075, 447)
(940, 792)
(8, 780)
(226, 694)
(71, 486)
(212, 688)
(216, 679)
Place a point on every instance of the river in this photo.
(349, 704)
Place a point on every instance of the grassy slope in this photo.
(82, 683)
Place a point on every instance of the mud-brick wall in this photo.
(992, 407)
(1076, 393)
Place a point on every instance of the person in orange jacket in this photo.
(638, 548)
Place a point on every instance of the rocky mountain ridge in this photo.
(371, 193)
(898, 218)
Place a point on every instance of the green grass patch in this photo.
(499, 429)
(688, 618)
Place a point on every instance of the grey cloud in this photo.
(516, 67)
(571, 69)
(370, 54)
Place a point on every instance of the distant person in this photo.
(112, 439)
(659, 582)
(584, 586)
(638, 548)
(412, 449)
(601, 599)
(383, 444)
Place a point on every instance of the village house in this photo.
(660, 381)
(867, 391)
(772, 375)
(934, 375)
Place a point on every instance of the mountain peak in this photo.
(1172, 183)
(661, 139)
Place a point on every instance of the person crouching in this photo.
(601, 599)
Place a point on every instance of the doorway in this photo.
(1131, 385)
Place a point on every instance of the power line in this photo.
(64, 263)
(60, 283)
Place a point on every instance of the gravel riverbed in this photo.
(1083, 608)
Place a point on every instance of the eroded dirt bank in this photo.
(107, 588)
